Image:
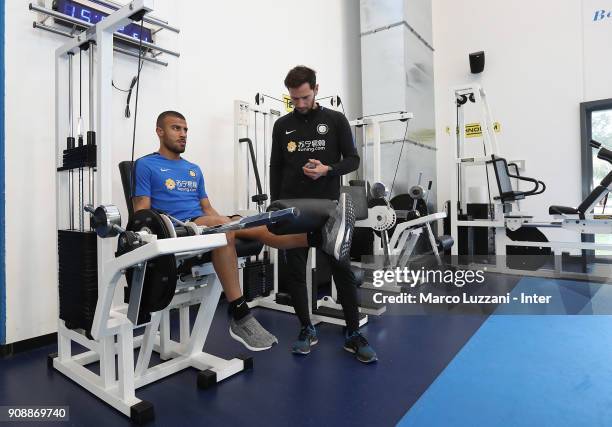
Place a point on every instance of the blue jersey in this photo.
(174, 186)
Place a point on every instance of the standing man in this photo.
(312, 147)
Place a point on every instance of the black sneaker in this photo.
(337, 233)
(357, 344)
(307, 338)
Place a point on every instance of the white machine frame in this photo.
(513, 220)
(406, 234)
(111, 322)
(401, 244)
(244, 186)
(374, 122)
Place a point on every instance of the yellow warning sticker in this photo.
(473, 130)
(288, 103)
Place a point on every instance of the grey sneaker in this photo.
(251, 334)
(337, 233)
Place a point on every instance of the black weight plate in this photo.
(151, 220)
(160, 275)
(404, 202)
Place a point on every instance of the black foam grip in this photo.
(605, 154)
(312, 215)
(444, 242)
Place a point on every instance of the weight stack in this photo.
(78, 277)
(476, 242)
(484, 240)
(257, 279)
(79, 157)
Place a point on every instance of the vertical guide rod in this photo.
(91, 88)
(364, 142)
(254, 156)
(80, 206)
(90, 135)
(70, 106)
(246, 206)
(70, 144)
(265, 159)
(248, 174)
(80, 144)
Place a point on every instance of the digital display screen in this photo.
(93, 16)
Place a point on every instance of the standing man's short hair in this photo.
(299, 75)
(160, 119)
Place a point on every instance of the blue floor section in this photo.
(529, 370)
(327, 387)
(567, 297)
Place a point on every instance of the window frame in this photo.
(586, 115)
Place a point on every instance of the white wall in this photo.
(541, 62)
(229, 50)
(597, 33)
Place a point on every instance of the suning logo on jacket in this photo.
(310, 146)
(602, 14)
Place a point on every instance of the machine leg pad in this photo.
(248, 362)
(50, 358)
(207, 379)
(142, 412)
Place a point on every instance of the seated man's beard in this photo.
(175, 148)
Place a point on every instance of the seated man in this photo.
(166, 182)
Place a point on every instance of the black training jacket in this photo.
(322, 134)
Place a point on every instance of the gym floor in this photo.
(460, 370)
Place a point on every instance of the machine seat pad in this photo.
(563, 210)
(244, 248)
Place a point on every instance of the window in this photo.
(601, 131)
(596, 124)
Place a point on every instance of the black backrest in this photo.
(591, 198)
(125, 169)
(503, 175)
(607, 180)
(503, 178)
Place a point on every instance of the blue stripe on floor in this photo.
(567, 297)
(528, 370)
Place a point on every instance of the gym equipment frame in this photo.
(505, 216)
(111, 333)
